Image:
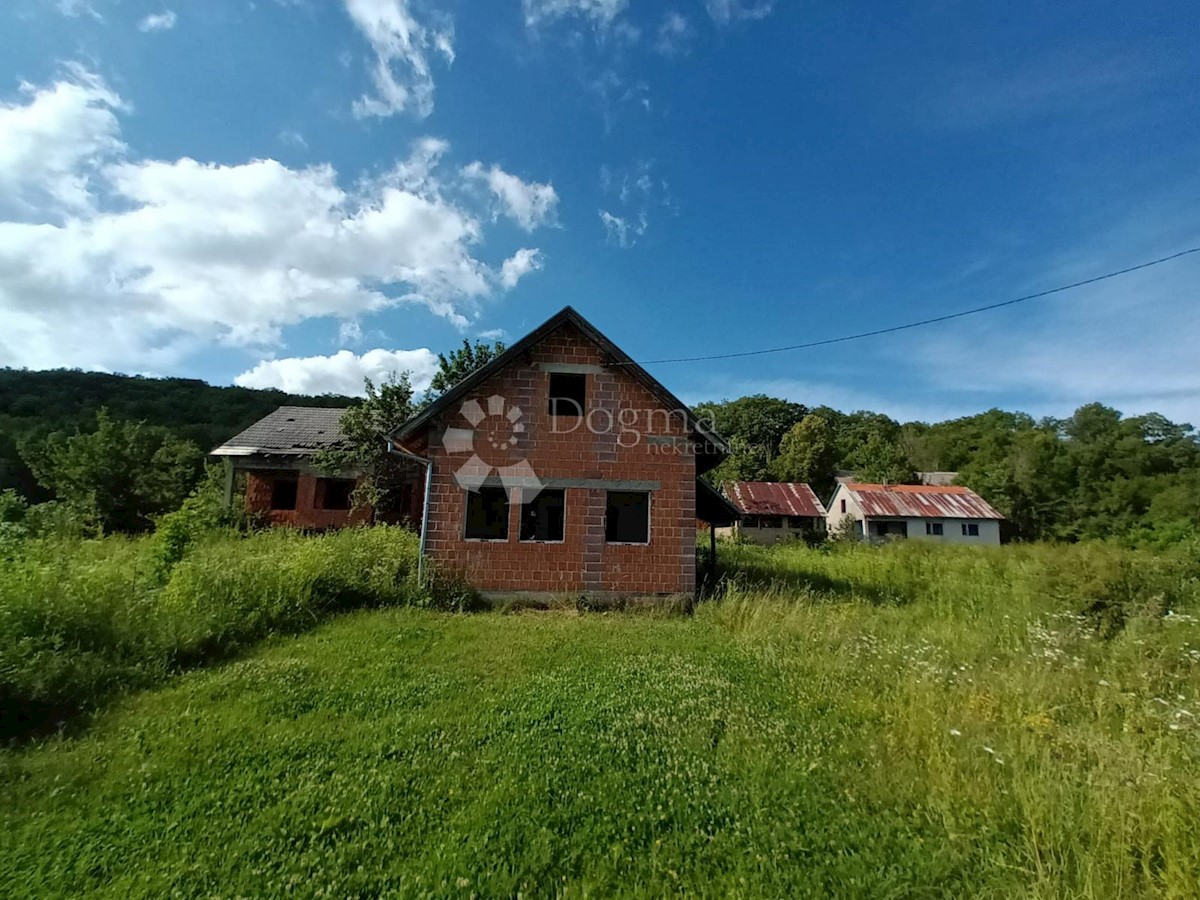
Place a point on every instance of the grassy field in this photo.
(902, 721)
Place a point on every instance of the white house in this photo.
(945, 513)
(773, 511)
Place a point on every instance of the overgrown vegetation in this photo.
(867, 721)
(82, 620)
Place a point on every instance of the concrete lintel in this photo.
(604, 484)
(571, 368)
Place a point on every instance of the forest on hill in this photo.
(34, 405)
(1096, 474)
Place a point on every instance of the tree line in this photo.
(117, 451)
(1095, 474)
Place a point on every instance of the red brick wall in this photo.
(306, 514)
(582, 561)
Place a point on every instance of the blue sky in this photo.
(296, 193)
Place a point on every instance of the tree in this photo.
(459, 364)
(367, 427)
(881, 461)
(121, 475)
(753, 426)
(808, 454)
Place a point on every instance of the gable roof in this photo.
(771, 498)
(565, 316)
(921, 501)
(289, 431)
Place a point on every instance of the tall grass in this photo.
(1043, 699)
(80, 620)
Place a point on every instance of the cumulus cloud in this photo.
(50, 144)
(401, 73)
(518, 266)
(163, 21)
(529, 204)
(341, 373)
(108, 261)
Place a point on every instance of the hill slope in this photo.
(37, 403)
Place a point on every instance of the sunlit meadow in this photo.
(876, 722)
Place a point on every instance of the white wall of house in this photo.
(952, 529)
(842, 506)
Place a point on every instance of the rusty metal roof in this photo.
(921, 501)
(290, 430)
(773, 498)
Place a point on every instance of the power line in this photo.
(957, 315)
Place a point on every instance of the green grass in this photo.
(898, 722)
(83, 620)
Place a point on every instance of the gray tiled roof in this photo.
(289, 430)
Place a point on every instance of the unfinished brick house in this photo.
(563, 468)
(276, 455)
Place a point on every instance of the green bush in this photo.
(80, 620)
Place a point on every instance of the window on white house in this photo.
(843, 506)
(771, 522)
(568, 393)
(334, 493)
(750, 521)
(543, 516)
(798, 522)
(934, 528)
(283, 492)
(487, 514)
(970, 529)
(627, 517)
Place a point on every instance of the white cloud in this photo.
(600, 12)
(341, 373)
(675, 35)
(725, 11)
(293, 138)
(493, 334)
(529, 204)
(622, 231)
(518, 266)
(50, 145)
(134, 263)
(638, 191)
(402, 45)
(163, 21)
(77, 8)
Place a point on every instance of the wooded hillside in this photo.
(35, 404)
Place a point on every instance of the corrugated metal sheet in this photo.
(919, 501)
(771, 498)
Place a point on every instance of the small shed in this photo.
(276, 455)
(774, 511)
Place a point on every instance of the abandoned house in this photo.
(276, 454)
(945, 513)
(773, 511)
(563, 467)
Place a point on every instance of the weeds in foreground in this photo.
(81, 620)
